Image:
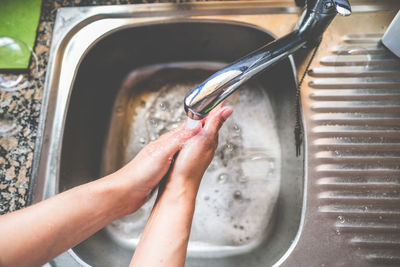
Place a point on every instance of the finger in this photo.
(216, 120)
(217, 108)
(172, 141)
(213, 112)
(182, 131)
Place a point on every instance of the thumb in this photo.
(216, 120)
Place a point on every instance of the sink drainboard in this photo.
(354, 100)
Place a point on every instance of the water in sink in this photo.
(238, 193)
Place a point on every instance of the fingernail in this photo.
(226, 112)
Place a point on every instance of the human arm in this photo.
(36, 234)
(165, 237)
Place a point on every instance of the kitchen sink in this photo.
(116, 81)
(129, 89)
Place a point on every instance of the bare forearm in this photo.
(35, 235)
(165, 238)
(166, 235)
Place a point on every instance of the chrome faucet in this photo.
(316, 17)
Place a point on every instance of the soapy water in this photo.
(191, 124)
(239, 190)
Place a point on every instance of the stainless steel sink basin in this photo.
(129, 89)
(255, 179)
(116, 80)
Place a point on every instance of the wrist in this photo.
(181, 189)
(126, 194)
(179, 203)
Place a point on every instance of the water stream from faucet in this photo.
(239, 190)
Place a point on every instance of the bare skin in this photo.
(165, 238)
(36, 234)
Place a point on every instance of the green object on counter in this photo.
(18, 21)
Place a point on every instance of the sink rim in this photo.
(95, 13)
(61, 43)
(48, 133)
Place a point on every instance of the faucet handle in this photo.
(342, 7)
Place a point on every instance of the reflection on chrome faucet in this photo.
(314, 21)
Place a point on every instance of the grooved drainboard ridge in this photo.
(355, 136)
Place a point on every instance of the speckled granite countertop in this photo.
(16, 150)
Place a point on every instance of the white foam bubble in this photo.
(234, 210)
(191, 124)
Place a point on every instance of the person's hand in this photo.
(197, 153)
(166, 235)
(152, 163)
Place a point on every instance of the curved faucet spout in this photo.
(200, 101)
(314, 21)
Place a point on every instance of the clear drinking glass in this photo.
(11, 54)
